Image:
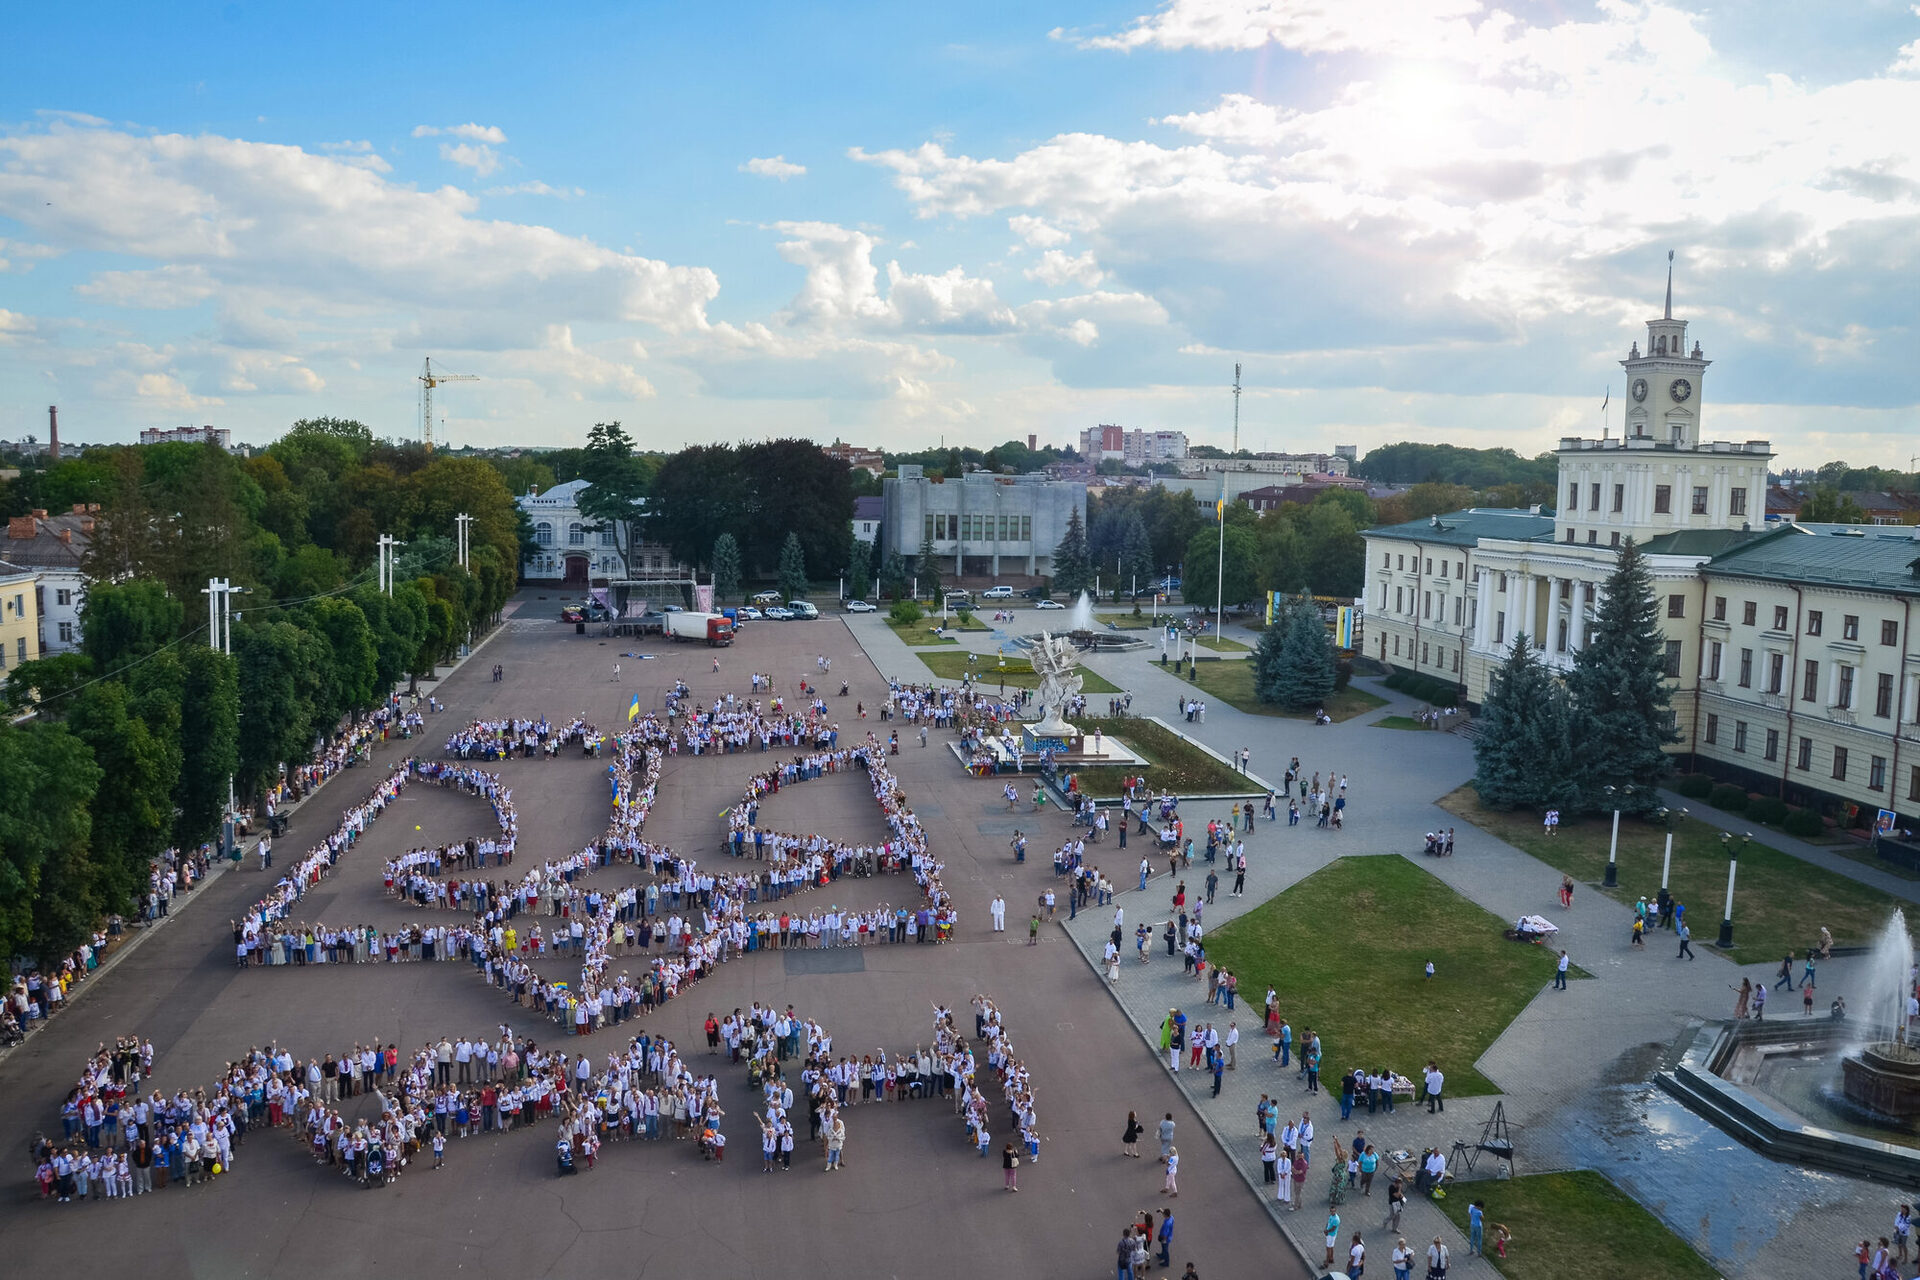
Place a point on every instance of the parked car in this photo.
(1037, 593)
(1001, 592)
(673, 608)
(777, 614)
(764, 598)
(960, 606)
(859, 606)
(802, 610)
(750, 614)
(573, 613)
(1048, 604)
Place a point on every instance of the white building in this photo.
(1134, 447)
(573, 551)
(188, 435)
(55, 547)
(867, 514)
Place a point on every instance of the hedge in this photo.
(1694, 786)
(1804, 823)
(1768, 809)
(1440, 693)
(1729, 797)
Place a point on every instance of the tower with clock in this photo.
(1664, 382)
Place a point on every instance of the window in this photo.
(1426, 604)
(1913, 783)
(1746, 668)
(1593, 496)
(1399, 603)
(1663, 499)
(1503, 584)
(1713, 660)
(1719, 608)
(1810, 681)
(1779, 617)
(1776, 672)
(1456, 662)
(1883, 696)
(1614, 540)
(1673, 659)
(1747, 611)
(1740, 736)
(1619, 497)
(1677, 605)
(1877, 773)
(1850, 626)
(1459, 610)
(1429, 563)
(1843, 697)
(1805, 759)
(576, 534)
(1713, 729)
(1840, 763)
(1593, 537)
(1386, 559)
(1573, 497)
(1401, 559)
(66, 633)
(606, 536)
(1773, 744)
(1699, 499)
(1737, 502)
(1889, 631)
(1500, 627)
(64, 595)
(1444, 566)
(1815, 620)
(1423, 655)
(1026, 528)
(21, 649)
(543, 534)
(1396, 646)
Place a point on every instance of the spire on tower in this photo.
(1669, 314)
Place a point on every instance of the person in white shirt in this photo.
(999, 911)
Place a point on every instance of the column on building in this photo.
(960, 529)
(1482, 607)
(1577, 621)
(1519, 585)
(993, 534)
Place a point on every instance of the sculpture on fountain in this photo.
(1054, 659)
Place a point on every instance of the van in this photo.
(997, 593)
(801, 609)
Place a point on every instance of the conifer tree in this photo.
(793, 569)
(1300, 675)
(1621, 705)
(726, 567)
(1072, 562)
(1504, 775)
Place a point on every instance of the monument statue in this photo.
(1054, 660)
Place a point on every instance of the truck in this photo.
(711, 627)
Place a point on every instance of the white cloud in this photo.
(348, 147)
(538, 188)
(842, 287)
(482, 160)
(471, 132)
(1037, 232)
(16, 252)
(1306, 26)
(167, 288)
(778, 167)
(14, 326)
(1056, 268)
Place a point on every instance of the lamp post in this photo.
(1733, 866)
(1613, 847)
(1672, 819)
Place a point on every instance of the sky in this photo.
(908, 225)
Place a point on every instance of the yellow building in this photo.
(19, 617)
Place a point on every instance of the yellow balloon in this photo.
(416, 826)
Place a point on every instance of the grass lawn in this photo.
(1222, 645)
(1779, 903)
(1364, 988)
(918, 633)
(1125, 621)
(1173, 763)
(1574, 1226)
(1232, 683)
(1018, 673)
(1400, 722)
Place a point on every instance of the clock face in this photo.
(1639, 388)
(1680, 390)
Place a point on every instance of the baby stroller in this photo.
(564, 1157)
(376, 1167)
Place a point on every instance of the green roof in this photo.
(1861, 557)
(1466, 528)
(1701, 542)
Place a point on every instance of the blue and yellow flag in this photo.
(633, 708)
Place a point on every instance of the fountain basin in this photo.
(1884, 1078)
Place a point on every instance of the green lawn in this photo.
(1573, 1226)
(1173, 763)
(1232, 683)
(1222, 645)
(1400, 722)
(1017, 674)
(1347, 949)
(918, 633)
(1780, 902)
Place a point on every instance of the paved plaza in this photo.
(1574, 1070)
(914, 1199)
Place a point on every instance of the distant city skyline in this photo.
(1423, 220)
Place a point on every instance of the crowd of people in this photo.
(504, 739)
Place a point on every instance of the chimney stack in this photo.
(1033, 441)
(53, 433)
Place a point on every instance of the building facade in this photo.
(56, 548)
(871, 461)
(867, 514)
(571, 550)
(1132, 446)
(188, 435)
(983, 521)
(19, 617)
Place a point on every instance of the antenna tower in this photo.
(1236, 408)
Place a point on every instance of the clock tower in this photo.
(1664, 384)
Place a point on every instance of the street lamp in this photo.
(1733, 866)
(1671, 818)
(1613, 846)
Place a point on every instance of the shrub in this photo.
(1694, 786)
(1342, 674)
(1729, 797)
(905, 613)
(1804, 823)
(1769, 809)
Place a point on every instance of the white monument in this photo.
(1054, 660)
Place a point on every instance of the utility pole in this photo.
(1236, 408)
(463, 520)
(219, 594)
(1220, 570)
(387, 543)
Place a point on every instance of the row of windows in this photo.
(979, 526)
(1816, 621)
(1845, 675)
(20, 652)
(1662, 499)
(576, 534)
(1437, 655)
(1448, 568)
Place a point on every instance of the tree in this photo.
(859, 568)
(1299, 673)
(281, 671)
(1203, 569)
(133, 814)
(893, 574)
(1336, 553)
(209, 743)
(793, 569)
(1620, 696)
(125, 621)
(1072, 567)
(48, 899)
(352, 670)
(1136, 552)
(1830, 506)
(926, 570)
(618, 483)
(1504, 774)
(726, 567)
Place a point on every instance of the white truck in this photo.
(716, 629)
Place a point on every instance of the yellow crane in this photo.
(428, 381)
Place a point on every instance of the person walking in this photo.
(1786, 972)
(1560, 973)
(1033, 930)
(1435, 1080)
(1356, 1258)
(616, 673)
(1402, 1259)
(1130, 1137)
(1166, 1237)
(1686, 941)
(1476, 1228)
(1009, 1163)
(1438, 1259)
(1172, 1185)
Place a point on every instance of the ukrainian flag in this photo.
(633, 708)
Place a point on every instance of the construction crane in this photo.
(428, 381)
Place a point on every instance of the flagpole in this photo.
(1220, 570)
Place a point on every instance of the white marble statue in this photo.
(1054, 660)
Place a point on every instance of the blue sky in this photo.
(1408, 219)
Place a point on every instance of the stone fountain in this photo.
(1883, 1076)
(1083, 633)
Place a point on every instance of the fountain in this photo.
(1083, 634)
(1883, 1076)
